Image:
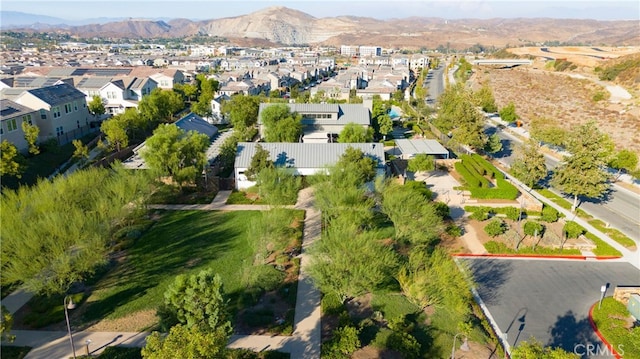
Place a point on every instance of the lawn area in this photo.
(614, 234)
(180, 242)
(559, 200)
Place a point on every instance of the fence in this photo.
(67, 137)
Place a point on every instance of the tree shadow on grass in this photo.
(180, 242)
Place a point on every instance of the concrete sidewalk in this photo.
(303, 344)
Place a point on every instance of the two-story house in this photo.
(12, 115)
(62, 111)
(321, 123)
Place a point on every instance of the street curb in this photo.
(535, 256)
(600, 336)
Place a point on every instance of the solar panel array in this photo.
(101, 72)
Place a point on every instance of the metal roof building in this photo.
(303, 158)
(410, 148)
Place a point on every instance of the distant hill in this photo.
(281, 25)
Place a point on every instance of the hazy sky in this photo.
(449, 9)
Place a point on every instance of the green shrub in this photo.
(344, 342)
(611, 320)
(549, 214)
(479, 216)
(501, 248)
(471, 170)
(496, 227)
(504, 190)
(532, 228)
(331, 304)
(118, 352)
(404, 343)
(489, 168)
(512, 213)
(572, 229)
(454, 230)
(442, 210)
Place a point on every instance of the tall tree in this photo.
(115, 130)
(421, 162)
(354, 133)
(260, 160)
(624, 160)
(281, 125)
(508, 113)
(583, 173)
(545, 130)
(529, 164)
(242, 112)
(173, 152)
(198, 300)
(57, 232)
(336, 270)
(484, 99)
(31, 136)
(414, 217)
(278, 186)
(9, 164)
(160, 105)
(81, 152)
(494, 144)
(228, 150)
(459, 116)
(96, 106)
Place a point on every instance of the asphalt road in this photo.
(435, 84)
(620, 208)
(547, 299)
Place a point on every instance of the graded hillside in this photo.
(565, 99)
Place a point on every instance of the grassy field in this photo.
(181, 242)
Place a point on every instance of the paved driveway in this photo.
(547, 299)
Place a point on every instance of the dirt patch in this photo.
(139, 321)
(370, 352)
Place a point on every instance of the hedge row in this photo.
(504, 190)
(488, 167)
(471, 180)
(494, 247)
(479, 175)
(471, 163)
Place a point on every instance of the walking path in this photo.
(303, 344)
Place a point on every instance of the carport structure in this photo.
(409, 148)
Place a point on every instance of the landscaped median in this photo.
(612, 323)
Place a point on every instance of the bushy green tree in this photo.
(624, 160)
(228, 151)
(281, 125)
(354, 133)
(176, 153)
(198, 300)
(414, 217)
(549, 214)
(572, 229)
(278, 186)
(533, 228)
(96, 106)
(529, 164)
(115, 131)
(160, 105)
(260, 160)
(508, 113)
(9, 165)
(421, 162)
(344, 342)
(31, 136)
(583, 173)
(242, 112)
(494, 144)
(57, 232)
(495, 228)
(360, 165)
(81, 152)
(484, 99)
(458, 116)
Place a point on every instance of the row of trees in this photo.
(58, 232)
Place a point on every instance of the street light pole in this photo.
(67, 306)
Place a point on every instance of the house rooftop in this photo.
(193, 122)
(10, 109)
(414, 147)
(57, 94)
(347, 113)
(305, 155)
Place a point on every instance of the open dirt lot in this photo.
(567, 98)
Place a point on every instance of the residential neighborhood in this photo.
(199, 197)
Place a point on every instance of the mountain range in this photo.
(284, 26)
